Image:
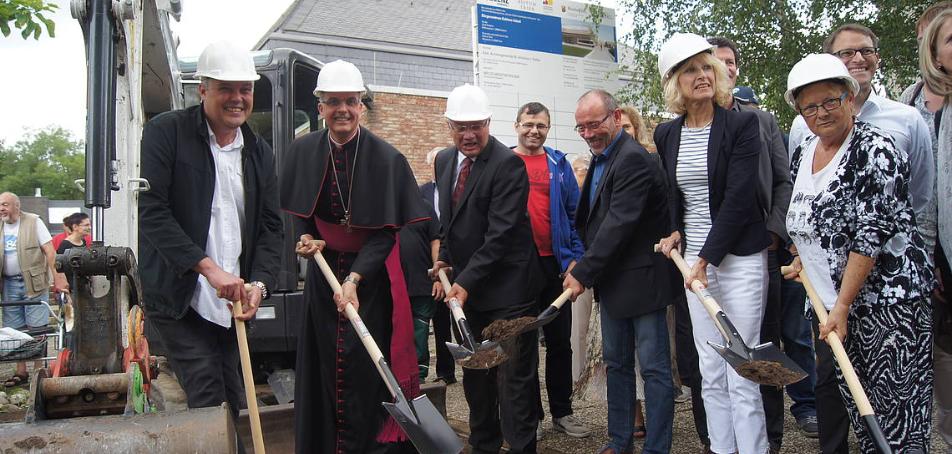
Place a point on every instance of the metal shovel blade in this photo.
(459, 352)
(487, 355)
(424, 426)
(484, 355)
(764, 364)
(876, 433)
(550, 313)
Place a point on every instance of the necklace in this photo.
(350, 183)
(699, 126)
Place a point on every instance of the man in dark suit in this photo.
(483, 190)
(622, 213)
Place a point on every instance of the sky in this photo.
(44, 82)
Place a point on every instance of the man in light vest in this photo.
(27, 267)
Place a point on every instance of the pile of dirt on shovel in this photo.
(501, 330)
(771, 373)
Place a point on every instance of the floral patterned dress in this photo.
(866, 208)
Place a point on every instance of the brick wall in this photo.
(414, 124)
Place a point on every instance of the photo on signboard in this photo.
(581, 39)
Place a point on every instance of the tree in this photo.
(27, 16)
(50, 159)
(772, 35)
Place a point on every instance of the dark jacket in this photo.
(174, 214)
(416, 250)
(737, 220)
(774, 171)
(628, 217)
(486, 237)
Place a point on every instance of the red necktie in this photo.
(461, 180)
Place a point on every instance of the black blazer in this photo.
(733, 154)
(174, 215)
(620, 228)
(486, 237)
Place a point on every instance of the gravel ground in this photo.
(595, 414)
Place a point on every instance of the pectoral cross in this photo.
(345, 221)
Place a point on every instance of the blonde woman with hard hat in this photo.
(710, 155)
(348, 193)
(935, 64)
(853, 226)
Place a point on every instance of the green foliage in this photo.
(772, 35)
(50, 159)
(27, 16)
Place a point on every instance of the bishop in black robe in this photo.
(356, 197)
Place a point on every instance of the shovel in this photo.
(424, 425)
(846, 367)
(501, 330)
(763, 364)
(248, 377)
(485, 355)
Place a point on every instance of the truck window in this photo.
(305, 118)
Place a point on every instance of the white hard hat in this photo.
(339, 76)
(467, 103)
(678, 48)
(814, 68)
(225, 61)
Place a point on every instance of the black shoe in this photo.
(446, 380)
(808, 426)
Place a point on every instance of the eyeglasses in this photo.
(847, 54)
(828, 105)
(473, 127)
(542, 127)
(591, 125)
(336, 102)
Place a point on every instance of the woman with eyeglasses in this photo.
(852, 223)
(710, 156)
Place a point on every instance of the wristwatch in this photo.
(353, 280)
(263, 288)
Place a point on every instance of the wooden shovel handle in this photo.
(355, 320)
(565, 296)
(247, 376)
(454, 303)
(704, 296)
(836, 344)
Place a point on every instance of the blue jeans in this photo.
(619, 337)
(798, 345)
(21, 317)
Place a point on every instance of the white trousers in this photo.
(943, 394)
(735, 413)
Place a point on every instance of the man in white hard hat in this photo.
(783, 312)
(209, 224)
(487, 239)
(349, 192)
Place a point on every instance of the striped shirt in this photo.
(692, 181)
